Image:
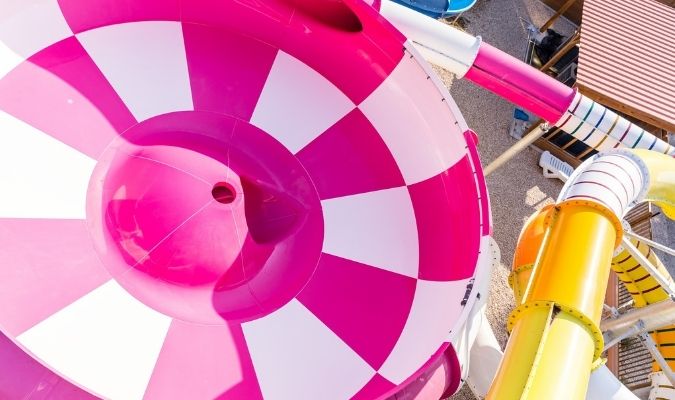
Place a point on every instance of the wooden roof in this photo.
(627, 58)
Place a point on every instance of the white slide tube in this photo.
(603, 385)
(438, 43)
(476, 332)
(486, 354)
(617, 180)
(603, 129)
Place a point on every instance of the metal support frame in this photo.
(646, 264)
(612, 310)
(638, 321)
(536, 131)
(651, 243)
(658, 357)
(636, 329)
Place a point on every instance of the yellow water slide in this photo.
(561, 267)
(645, 290)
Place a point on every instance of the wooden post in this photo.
(557, 15)
(560, 53)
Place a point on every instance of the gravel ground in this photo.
(518, 188)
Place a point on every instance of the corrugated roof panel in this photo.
(628, 55)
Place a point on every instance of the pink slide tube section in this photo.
(520, 83)
(558, 104)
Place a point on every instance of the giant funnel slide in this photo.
(279, 199)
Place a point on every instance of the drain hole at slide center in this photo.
(223, 193)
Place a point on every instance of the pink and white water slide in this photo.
(228, 199)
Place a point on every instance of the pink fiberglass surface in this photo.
(227, 199)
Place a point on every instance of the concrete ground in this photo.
(518, 188)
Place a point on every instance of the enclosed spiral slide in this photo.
(248, 199)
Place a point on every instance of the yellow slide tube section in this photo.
(555, 336)
(561, 267)
(643, 288)
(527, 249)
(661, 190)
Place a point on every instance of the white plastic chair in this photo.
(553, 167)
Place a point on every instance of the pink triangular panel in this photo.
(45, 265)
(359, 303)
(85, 15)
(61, 92)
(356, 62)
(350, 158)
(374, 389)
(22, 377)
(203, 362)
(227, 70)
